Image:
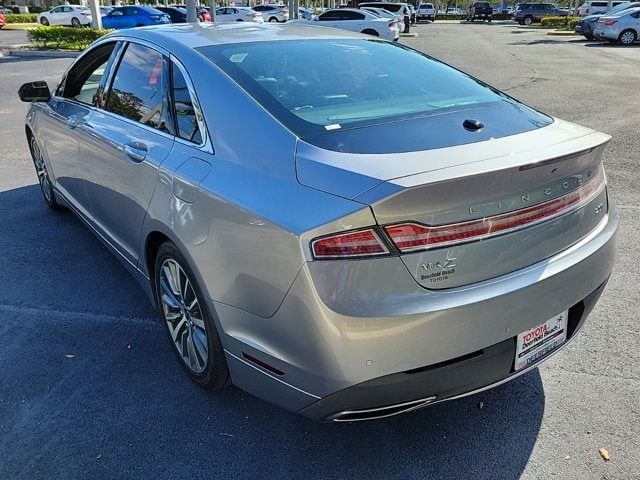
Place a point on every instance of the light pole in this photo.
(191, 11)
(96, 19)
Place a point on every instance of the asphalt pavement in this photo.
(13, 37)
(90, 387)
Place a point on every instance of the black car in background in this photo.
(177, 15)
(528, 13)
(480, 11)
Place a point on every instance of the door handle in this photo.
(136, 151)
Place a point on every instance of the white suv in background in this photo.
(273, 13)
(426, 11)
(594, 7)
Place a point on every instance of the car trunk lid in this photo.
(495, 180)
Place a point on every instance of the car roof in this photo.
(205, 34)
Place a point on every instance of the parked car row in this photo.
(138, 15)
(586, 25)
(622, 26)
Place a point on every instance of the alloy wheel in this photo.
(184, 316)
(41, 171)
(75, 22)
(627, 37)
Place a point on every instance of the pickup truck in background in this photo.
(480, 11)
(426, 11)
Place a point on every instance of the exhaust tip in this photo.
(380, 412)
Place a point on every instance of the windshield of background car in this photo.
(313, 86)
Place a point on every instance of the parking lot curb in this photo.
(409, 35)
(562, 33)
(38, 53)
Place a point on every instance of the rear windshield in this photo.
(314, 86)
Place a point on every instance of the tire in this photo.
(75, 22)
(370, 31)
(42, 172)
(589, 36)
(192, 326)
(627, 37)
(528, 20)
(273, 19)
(44, 21)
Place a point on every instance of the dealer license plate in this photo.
(540, 340)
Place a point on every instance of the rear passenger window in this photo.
(186, 115)
(139, 88)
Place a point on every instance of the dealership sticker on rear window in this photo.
(537, 342)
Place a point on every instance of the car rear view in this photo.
(478, 237)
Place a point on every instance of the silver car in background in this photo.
(623, 27)
(378, 244)
(273, 13)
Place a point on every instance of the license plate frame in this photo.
(537, 342)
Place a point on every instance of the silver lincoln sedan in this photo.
(337, 224)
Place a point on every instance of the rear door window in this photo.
(139, 88)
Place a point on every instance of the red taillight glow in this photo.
(351, 244)
(610, 22)
(409, 237)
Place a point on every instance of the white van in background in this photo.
(594, 7)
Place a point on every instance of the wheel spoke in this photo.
(175, 332)
(193, 356)
(198, 322)
(200, 342)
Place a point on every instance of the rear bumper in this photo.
(406, 391)
(353, 335)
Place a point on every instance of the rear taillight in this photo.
(393, 24)
(410, 237)
(360, 243)
(608, 23)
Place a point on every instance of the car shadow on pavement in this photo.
(611, 45)
(90, 388)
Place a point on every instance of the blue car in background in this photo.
(134, 16)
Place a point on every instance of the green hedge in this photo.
(64, 37)
(20, 18)
(559, 22)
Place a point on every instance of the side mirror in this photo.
(35, 92)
